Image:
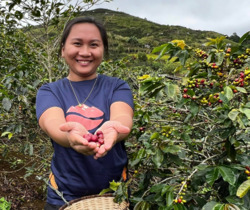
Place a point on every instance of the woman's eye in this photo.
(77, 43)
(94, 44)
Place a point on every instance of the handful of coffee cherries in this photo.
(98, 138)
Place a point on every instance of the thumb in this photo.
(68, 126)
(121, 128)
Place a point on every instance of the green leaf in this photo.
(142, 205)
(140, 155)
(4, 205)
(169, 198)
(114, 185)
(105, 191)
(184, 55)
(233, 114)
(156, 188)
(243, 189)
(220, 58)
(172, 90)
(227, 174)
(158, 158)
(194, 108)
(160, 48)
(212, 176)
(173, 149)
(7, 133)
(164, 50)
(245, 111)
(245, 37)
(209, 205)
(154, 136)
(242, 90)
(228, 93)
(218, 207)
(6, 104)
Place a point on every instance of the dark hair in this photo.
(91, 20)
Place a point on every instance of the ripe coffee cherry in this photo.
(87, 136)
(94, 138)
(98, 138)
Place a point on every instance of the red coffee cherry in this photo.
(98, 138)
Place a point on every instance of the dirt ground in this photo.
(23, 192)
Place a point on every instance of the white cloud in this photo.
(222, 16)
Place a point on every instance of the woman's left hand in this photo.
(111, 130)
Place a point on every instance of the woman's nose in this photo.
(84, 51)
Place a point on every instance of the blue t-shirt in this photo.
(78, 175)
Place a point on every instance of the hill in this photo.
(130, 34)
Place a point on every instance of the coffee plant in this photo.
(191, 137)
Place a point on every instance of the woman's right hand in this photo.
(75, 132)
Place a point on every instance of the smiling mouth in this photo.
(83, 62)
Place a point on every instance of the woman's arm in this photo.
(123, 113)
(53, 122)
(50, 122)
(118, 128)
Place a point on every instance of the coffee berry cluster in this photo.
(98, 138)
(180, 198)
(247, 171)
(243, 78)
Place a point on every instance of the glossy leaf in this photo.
(227, 174)
(158, 158)
(212, 176)
(228, 93)
(243, 189)
(233, 114)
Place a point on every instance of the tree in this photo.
(47, 17)
(234, 37)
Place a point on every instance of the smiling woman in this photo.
(84, 102)
(83, 51)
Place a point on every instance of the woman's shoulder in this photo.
(55, 84)
(107, 78)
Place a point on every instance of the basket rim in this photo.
(87, 197)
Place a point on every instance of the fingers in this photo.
(121, 128)
(75, 132)
(85, 150)
(101, 152)
(66, 127)
(69, 126)
(117, 126)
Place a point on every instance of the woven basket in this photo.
(95, 202)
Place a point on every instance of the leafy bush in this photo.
(190, 143)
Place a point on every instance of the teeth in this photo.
(84, 62)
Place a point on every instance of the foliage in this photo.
(4, 205)
(191, 137)
(20, 74)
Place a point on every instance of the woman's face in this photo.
(83, 51)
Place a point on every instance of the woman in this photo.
(82, 103)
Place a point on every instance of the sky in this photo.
(222, 16)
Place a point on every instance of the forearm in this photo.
(51, 128)
(50, 122)
(125, 120)
(122, 113)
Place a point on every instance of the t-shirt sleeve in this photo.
(123, 93)
(45, 99)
